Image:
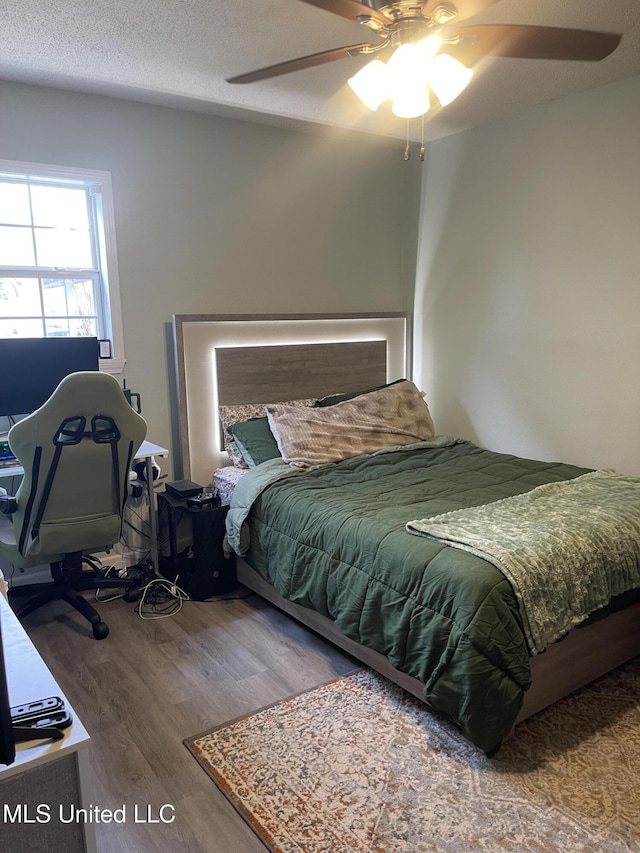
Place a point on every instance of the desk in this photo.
(146, 451)
(51, 772)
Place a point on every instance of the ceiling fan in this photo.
(430, 49)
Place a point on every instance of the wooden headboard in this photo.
(236, 359)
(272, 374)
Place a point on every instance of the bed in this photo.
(325, 544)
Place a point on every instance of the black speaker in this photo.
(191, 552)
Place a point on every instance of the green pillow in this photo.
(332, 399)
(255, 441)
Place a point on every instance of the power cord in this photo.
(111, 571)
(160, 598)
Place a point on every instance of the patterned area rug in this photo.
(358, 765)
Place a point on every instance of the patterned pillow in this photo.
(225, 480)
(235, 414)
(395, 415)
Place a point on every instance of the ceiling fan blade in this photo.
(351, 9)
(298, 64)
(464, 8)
(525, 42)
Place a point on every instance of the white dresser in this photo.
(52, 775)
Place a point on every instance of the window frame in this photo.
(105, 248)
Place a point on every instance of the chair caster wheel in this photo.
(100, 630)
(131, 595)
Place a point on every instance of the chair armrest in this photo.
(8, 504)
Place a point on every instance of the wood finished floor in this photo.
(150, 684)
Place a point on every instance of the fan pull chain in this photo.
(407, 148)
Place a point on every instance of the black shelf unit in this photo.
(190, 547)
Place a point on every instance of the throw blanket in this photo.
(567, 548)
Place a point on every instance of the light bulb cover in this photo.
(371, 84)
(411, 101)
(405, 66)
(448, 78)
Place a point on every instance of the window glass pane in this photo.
(57, 328)
(14, 204)
(57, 247)
(21, 329)
(20, 297)
(83, 327)
(78, 328)
(62, 297)
(59, 207)
(54, 298)
(16, 246)
(80, 298)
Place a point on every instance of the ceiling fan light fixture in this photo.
(371, 84)
(412, 69)
(448, 78)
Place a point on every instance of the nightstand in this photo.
(190, 547)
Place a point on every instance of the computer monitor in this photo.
(32, 368)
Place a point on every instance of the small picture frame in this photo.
(104, 350)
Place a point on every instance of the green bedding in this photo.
(333, 539)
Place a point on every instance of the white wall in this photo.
(528, 293)
(215, 215)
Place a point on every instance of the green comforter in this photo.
(333, 539)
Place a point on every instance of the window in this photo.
(58, 275)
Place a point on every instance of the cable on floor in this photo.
(160, 598)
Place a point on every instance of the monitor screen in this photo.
(32, 368)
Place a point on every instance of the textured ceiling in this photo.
(179, 52)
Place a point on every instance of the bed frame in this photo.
(257, 374)
(582, 656)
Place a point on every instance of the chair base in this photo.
(69, 579)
